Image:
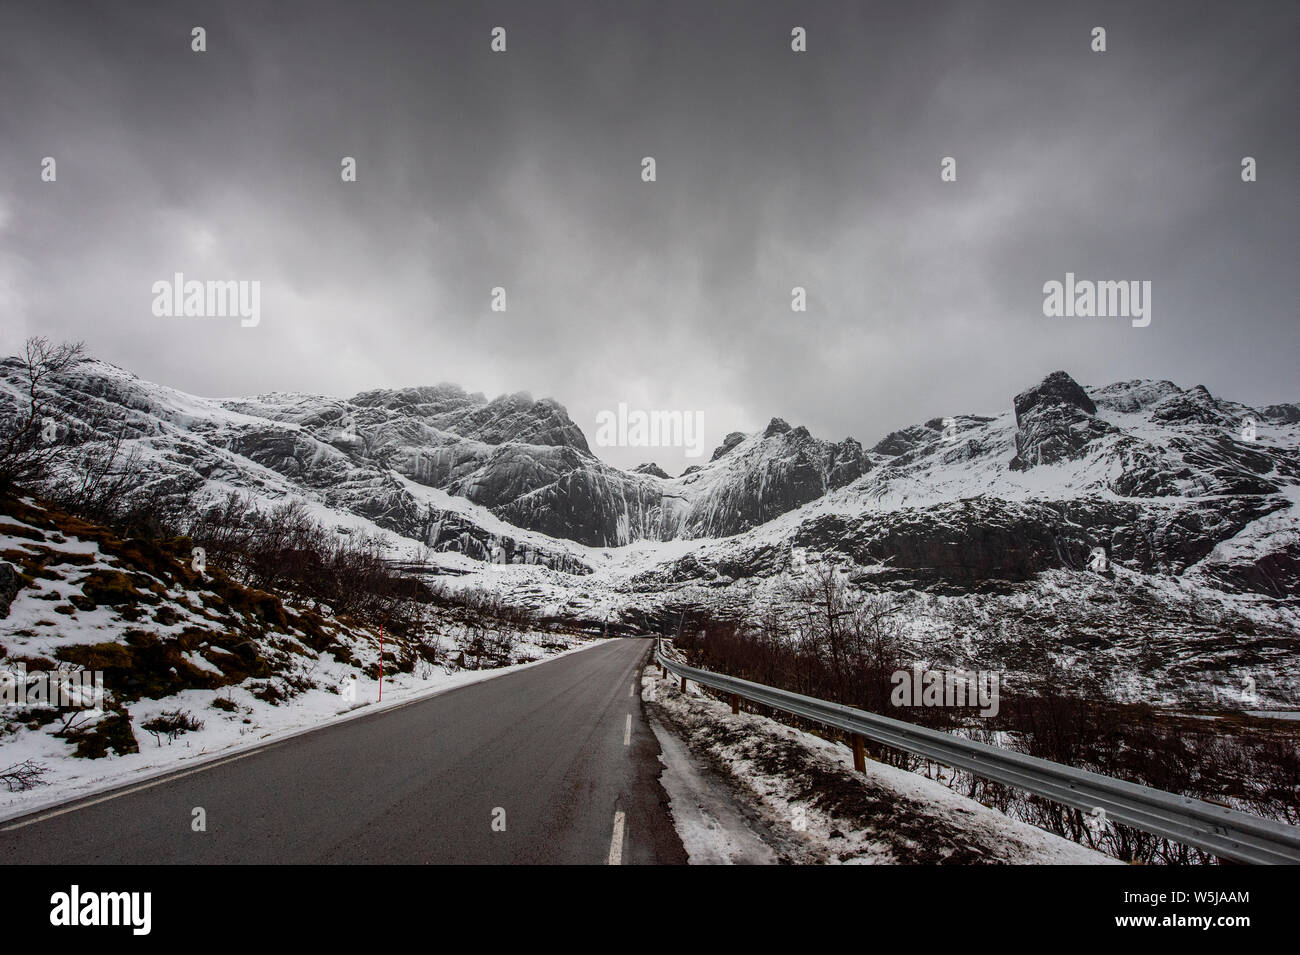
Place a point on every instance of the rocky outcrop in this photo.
(9, 585)
(598, 506)
(448, 531)
(729, 442)
(761, 477)
(506, 419)
(1282, 414)
(904, 440)
(1194, 406)
(1055, 421)
(979, 542)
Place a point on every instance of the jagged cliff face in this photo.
(530, 465)
(1164, 479)
(328, 453)
(525, 461)
(752, 479)
(1055, 420)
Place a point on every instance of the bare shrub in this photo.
(27, 448)
(171, 725)
(23, 776)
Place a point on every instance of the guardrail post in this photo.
(859, 754)
(683, 683)
(735, 704)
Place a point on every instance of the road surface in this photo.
(559, 754)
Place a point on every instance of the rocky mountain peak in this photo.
(422, 401)
(1135, 395)
(1058, 388)
(729, 442)
(776, 426)
(1193, 406)
(1055, 421)
(1283, 413)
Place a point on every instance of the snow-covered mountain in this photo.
(1139, 504)
(530, 465)
(385, 455)
(1163, 479)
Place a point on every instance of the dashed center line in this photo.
(616, 843)
(627, 731)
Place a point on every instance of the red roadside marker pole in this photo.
(381, 663)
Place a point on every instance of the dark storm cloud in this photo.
(522, 170)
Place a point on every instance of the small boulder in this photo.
(9, 585)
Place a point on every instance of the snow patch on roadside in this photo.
(712, 827)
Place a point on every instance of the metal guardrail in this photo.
(1224, 832)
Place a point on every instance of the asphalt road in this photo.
(422, 783)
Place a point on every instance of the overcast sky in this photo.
(775, 169)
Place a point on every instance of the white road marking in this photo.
(631, 690)
(627, 731)
(616, 843)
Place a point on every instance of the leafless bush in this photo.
(171, 725)
(23, 776)
(473, 641)
(28, 435)
(96, 481)
(502, 644)
(1275, 781)
(284, 549)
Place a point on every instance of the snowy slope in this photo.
(1191, 500)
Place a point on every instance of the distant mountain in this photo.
(524, 461)
(1162, 479)
(1159, 477)
(1138, 528)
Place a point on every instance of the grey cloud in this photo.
(775, 170)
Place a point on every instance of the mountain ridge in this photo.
(403, 458)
